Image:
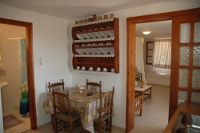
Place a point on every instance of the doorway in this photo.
(30, 67)
(131, 69)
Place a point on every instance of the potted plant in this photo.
(141, 83)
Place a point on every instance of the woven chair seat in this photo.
(103, 117)
(65, 116)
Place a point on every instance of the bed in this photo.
(158, 78)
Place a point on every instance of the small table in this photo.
(144, 89)
(86, 105)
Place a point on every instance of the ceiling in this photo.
(160, 29)
(72, 9)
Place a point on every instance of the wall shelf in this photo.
(95, 72)
(95, 40)
(94, 22)
(96, 44)
(96, 55)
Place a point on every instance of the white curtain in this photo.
(139, 56)
(162, 54)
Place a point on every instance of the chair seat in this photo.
(64, 116)
(103, 117)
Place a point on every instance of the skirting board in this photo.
(119, 128)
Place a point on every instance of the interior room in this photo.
(55, 52)
(155, 110)
(10, 72)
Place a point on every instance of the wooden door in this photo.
(185, 68)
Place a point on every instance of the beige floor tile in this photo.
(155, 112)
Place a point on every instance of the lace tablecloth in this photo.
(86, 105)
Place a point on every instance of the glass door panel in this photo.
(196, 56)
(183, 78)
(185, 33)
(184, 55)
(197, 32)
(182, 96)
(196, 79)
(195, 97)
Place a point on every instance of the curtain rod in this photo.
(140, 36)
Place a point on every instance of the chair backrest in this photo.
(56, 86)
(106, 102)
(138, 103)
(138, 77)
(61, 101)
(93, 86)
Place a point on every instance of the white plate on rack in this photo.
(86, 50)
(98, 50)
(97, 34)
(110, 49)
(80, 36)
(89, 49)
(80, 51)
(104, 50)
(104, 34)
(111, 33)
(91, 35)
(86, 35)
(93, 50)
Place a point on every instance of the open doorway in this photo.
(11, 64)
(30, 69)
(131, 70)
(155, 111)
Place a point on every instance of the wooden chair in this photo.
(104, 121)
(138, 77)
(93, 86)
(138, 103)
(64, 118)
(56, 86)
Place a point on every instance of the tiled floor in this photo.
(153, 120)
(21, 127)
(155, 112)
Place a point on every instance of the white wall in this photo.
(119, 80)
(51, 43)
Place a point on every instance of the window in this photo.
(149, 52)
(162, 54)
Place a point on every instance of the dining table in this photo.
(86, 104)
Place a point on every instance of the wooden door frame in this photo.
(30, 66)
(131, 57)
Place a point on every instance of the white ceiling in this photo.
(160, 29)
(72, 9)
